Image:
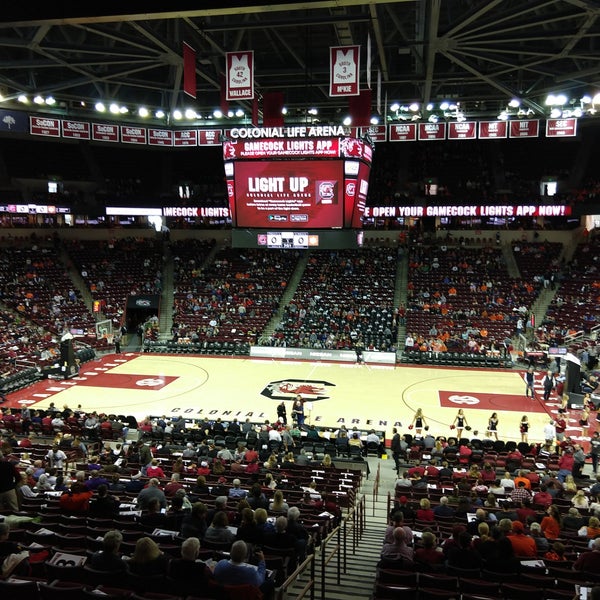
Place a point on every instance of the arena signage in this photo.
(384, 358)
(468, 211)
(195, 211)
(285, 132)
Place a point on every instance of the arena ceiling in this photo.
(479, 53)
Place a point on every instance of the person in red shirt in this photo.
(155, 470)
(523, 545)
(542, 498)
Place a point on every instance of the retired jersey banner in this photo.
(344, 72)
(240, 75)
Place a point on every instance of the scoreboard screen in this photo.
(299, 183)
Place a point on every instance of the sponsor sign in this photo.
(386, 358)
(548, 210)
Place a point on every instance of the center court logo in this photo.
(288, 389)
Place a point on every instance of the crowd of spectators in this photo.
(260, 506)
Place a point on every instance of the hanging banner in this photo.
(344, 72)
(405, 132)
(240, 75)
(524, 129)
(492, 130)
(467, 130)
(189, 70)
(432, 131)
(561, 127)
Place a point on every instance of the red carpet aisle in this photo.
(357, 395)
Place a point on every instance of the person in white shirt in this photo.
(549, 432)
(56, 457)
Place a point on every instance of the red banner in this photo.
(102, 132)
(185, 137)
(467, 130)
(240, 75)
(405, 132)
(76, 129)
(160, 137)
(432, 131)
(133, 135)
(344, 71)
(273, 109)
(44, 126)
(492, 130)
(189, 70)
(524, 129)
(561, 127)
(209, 137)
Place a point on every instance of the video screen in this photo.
(300, 183)
(289, 194)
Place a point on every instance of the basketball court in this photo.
(365, 396)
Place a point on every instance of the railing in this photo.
(282, 591)
(376, 486)
(354, 523)
(573, 337)
(327, 558)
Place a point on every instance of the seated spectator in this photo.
(147, 558)
(397, 520)
(14, 560)
(592, 529)
(297, 529)
(443, 509)
(589, 561)
(155, 470)
(152, 490)
(398, 549)
(523, 545)
(425, 512)
(104, 504)
(219, 531)
(429, 554)
(462, 554)
(194, 523)
(109, 558)
(580, 500)
(264, 526)
(153, 516)
(236, 572)
(189, 573)
(573, 521)
(236, 490)
(541, 542)
(248, 529)
(278, 504)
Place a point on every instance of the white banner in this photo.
(240, 75)
(344, 72)
(383, 358)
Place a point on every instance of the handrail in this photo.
(376, 486)
(327, 558)
(282, 591)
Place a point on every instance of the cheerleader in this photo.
(524, 428)
(459, 423)
(492, 428)
(419, 422)
(584, 421)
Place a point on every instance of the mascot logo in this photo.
(288, 389)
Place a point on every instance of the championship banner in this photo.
(239, 77)
(467, 130)
(561, 127)
(432, 131)
(492, 130)
(405, 132)
(44, 126)
(344, 71)
(524, 129)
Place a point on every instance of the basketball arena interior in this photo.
(346, 251)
